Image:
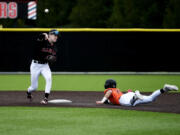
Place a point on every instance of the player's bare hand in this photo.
(46, 35)
(99, 102)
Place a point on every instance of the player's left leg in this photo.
(155, 94)
(46, 72)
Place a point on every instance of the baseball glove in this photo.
(51, 58)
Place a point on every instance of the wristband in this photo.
(104, 99)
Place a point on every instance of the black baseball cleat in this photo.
(29, 96)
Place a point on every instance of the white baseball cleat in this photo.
(138, 95)
(44, 101)
(168, 87)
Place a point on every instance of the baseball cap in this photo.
(54, 32)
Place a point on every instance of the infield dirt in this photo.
(168, 102)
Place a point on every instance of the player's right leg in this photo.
(148, 99)
(155, 94)
(35, 72)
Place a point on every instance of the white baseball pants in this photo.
(125, 99)
(37, 69)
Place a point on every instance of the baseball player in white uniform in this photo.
(114, 96)
(43, 55)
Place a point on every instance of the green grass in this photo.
(85, 121)
(91, 82)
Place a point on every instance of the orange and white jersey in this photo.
(115, 96)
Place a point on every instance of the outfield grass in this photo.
(91, 82)
(85, 121)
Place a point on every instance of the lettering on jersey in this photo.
(49, 50)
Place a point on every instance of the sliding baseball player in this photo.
(114, 96)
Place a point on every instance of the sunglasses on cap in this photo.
(54, 32)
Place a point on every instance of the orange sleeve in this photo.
(115, 96)
(106, 90)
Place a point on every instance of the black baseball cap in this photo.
(110, 83)
(54, 32)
